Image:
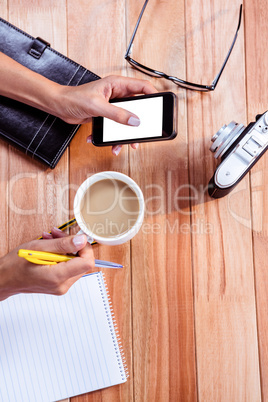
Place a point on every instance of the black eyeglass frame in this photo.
(178, 81)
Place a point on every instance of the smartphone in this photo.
(157, 114)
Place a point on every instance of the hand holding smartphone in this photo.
(157, 121)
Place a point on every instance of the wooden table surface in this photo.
(191, 303)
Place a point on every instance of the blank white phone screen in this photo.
(150, 113)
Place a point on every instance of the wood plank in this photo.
(163, 322)
(161, 315)
(37, 197)
(257, 99)
(96, 39)
(225, 316)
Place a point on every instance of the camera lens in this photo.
(225, 137)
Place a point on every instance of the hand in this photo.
(75, 105)
(79, 104)
(17, 275)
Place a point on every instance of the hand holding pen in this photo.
(17, 275)
(45, 258)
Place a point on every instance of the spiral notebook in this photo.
(55, 347)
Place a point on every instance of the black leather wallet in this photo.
(42, 136)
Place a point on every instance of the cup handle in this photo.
(89, 238)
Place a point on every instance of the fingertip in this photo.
(79, 241)
(134, 121)
(135, 146)
(55, 229)
(47, 235)
(116, 150)
(56, 232)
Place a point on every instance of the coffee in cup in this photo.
(109, 207)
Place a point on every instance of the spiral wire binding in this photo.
(120, 356)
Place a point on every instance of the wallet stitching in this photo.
(48, 48)
(2, 132)
(34, 152)
(67, 139)
(8, 136)
(28, 148)
(41, 140)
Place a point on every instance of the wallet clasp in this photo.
(38, 47)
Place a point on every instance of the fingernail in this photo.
(116, 150)
(79, 240)
(89, 140)
(57, 230)
(133, 121)
(46, 235)
(135, 146)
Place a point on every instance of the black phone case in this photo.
(171, 114)
(38, 134)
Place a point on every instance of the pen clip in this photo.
(34, 260)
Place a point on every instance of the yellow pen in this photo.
(42, 257)
(46, 258)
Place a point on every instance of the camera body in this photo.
(239, 148)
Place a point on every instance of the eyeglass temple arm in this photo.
(129, 49)
(216, 79)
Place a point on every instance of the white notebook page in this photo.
(54, 347)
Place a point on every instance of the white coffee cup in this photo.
(121, 238)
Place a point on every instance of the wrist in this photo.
(24, 85)
(67, 102)
(46, 97)
(39, 92)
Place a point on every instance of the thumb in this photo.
(119, 114)
(62, 245)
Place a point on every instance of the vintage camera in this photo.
(239, 148)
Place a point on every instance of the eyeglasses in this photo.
(159, 74)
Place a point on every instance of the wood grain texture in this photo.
(225, 315)
(257, 100)
(37, 196)
(96, 39)
(163, 322)
(191, 302)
